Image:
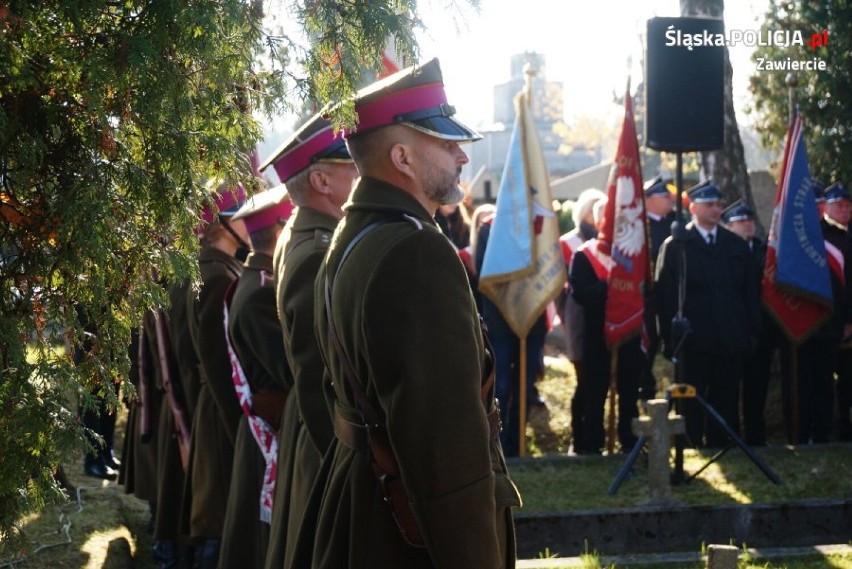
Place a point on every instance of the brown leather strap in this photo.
(350, 434)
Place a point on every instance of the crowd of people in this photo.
(703, 308)
(328, 395)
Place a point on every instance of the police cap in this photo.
(704, 192)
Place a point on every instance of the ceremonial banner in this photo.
(796, 285)
(523, 269)
(623, 237)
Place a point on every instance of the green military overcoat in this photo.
(217, 413)
(298, 256)
(407, 322)
(138, 471)
(256, 339)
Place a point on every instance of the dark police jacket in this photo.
(408, 324)
(722, 303)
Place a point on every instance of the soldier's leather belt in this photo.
(354, 435)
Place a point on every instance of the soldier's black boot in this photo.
(207, 555)
(95, 467)
(166, 554)
(109, 459)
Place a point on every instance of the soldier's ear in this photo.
(319, 181)
(400, 157)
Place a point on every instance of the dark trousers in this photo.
(507, 355)
(814, 398)
(844, 394)
(595, 387)
(716, 378)
(756, 374)
(102, 422)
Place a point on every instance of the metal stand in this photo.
(683, 391)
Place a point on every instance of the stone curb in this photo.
(654, 530)
(681, 557)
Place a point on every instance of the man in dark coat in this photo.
(404, 347)
(255, 339)
(739, 218)
(217, 412)
(659, 202)
(721, 305)
(319, 174)
(844, 367)
(507, 356)
(820, 356)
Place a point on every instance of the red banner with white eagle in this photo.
(623, 236)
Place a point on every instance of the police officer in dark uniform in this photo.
(831, 343)
(319, 174)
(403, 344)
(659, 204)
(740, 219)
(721, 306)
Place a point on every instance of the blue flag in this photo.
(509, 252)
(523, 268)
(802, 266)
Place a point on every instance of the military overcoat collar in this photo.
(310, 219)
(210, 254)
(373, 194)
(259, 262)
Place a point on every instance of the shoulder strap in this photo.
(371, 416)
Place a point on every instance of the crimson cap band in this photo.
(314, 141)
(265, 209)
(414, 97)
(226, 201)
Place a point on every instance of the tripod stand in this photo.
(683, 391)
(674, 393)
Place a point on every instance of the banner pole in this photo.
(522, 398)
(613, 374)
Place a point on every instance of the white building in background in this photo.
(488, 156)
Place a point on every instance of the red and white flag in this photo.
(623, 237)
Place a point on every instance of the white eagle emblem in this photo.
(629, 230)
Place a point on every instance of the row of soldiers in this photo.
(325, 398)
(704, 308)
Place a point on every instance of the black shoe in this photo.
(97, 469)
(108, 458)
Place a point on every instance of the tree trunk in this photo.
(726, 166)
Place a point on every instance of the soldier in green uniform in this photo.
(404, 347)
(319, 174)
(171, 335)
(255, 340)
(217, 413)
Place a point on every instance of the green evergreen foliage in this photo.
(823, 95)
(113, 114)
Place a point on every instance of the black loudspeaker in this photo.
(684, 84)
